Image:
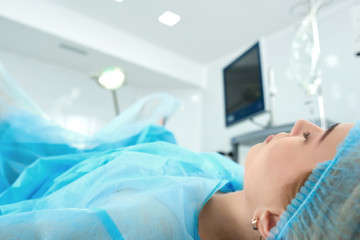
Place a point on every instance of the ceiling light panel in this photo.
(169, 18)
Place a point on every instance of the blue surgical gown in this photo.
(142, 187)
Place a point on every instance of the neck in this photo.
(226, 216)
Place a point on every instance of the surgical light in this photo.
(112, 78)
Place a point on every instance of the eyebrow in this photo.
(328, 131)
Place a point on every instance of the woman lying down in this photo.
(147, 187)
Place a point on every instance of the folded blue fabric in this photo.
(141, 187)
(128, 181)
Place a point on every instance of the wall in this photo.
(338, 63)
(187, 122)
(93, 34)
(74, 100)
(200, 124)
(340, 71)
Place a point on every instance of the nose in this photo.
(302, 126)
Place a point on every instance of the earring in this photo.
(254, 222)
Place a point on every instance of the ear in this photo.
(267, 220)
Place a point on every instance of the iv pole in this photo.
(314, 70)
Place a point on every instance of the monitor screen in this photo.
(243, 85)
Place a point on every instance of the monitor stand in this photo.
(272, 93)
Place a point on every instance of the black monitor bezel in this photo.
(251, 110)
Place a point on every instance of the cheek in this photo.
(323, 154)
(281, 155)
(273, 164)
(284, 164)
(279, 162)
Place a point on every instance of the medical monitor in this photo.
(243, 86)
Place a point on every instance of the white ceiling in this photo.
(208, 29)
(34, 43)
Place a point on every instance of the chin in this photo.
(253, 151)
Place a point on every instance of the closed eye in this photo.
(330, 129)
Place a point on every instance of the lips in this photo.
(268, 139)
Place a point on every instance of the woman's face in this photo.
(282, 158)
